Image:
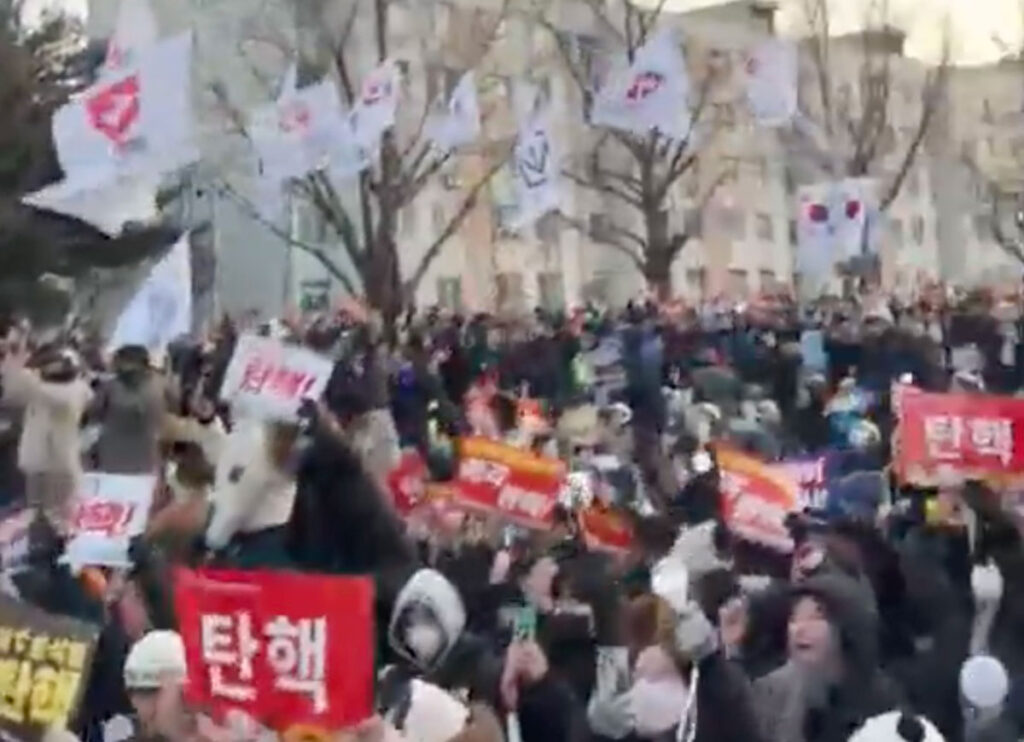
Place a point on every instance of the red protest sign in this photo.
(963, 436)
(605, 530)
(286, 648)
(755, 500)
(407, 483)
(499, 479)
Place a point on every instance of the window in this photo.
(549, 228)
(983, 226)
(986, 111)
(792, 232)
(917, 229)
(896, 231)
(601, 228)
(451, 79)
(449, 293)
(765, 227)
(766, 277)
(551, 289)
(738, 282)
(734, 223)
(510, 296)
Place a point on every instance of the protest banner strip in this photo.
(516, 485)
(756, 500)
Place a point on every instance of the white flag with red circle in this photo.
(651, 93)
(135, 121)
(299, 132)
(374, 113)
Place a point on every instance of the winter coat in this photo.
(793, 707)
(131, 417)
(53, 414)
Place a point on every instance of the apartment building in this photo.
(979, 140)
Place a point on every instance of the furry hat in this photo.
(896, 726)
(427, 597)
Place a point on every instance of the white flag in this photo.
(375, 111)
(134, 30)
(135, 122)
(831, 220)
(771, 82)
(105, 204)
(651, 93)
(460, 125)
(161, 310)
(535, 161)
(296, 134)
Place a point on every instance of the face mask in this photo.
(424, 641)
(658, 705)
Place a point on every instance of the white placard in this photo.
(111, 510)
(268, 379)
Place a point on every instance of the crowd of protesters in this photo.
(895, 616)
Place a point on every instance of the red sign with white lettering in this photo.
(518, 485)
(940, 437)
(286, 648)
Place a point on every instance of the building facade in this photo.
(934, 228)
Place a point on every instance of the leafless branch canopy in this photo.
(407, 162)
(856, 117)
(635, 172)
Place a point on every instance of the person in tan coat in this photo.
(55, 398)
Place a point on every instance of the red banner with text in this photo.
(942, 438)
(284, 647)
(499, 479)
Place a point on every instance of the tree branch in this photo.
(253, 213)
(604, 188)
(932, 100)
(584, 228)
(456, 222)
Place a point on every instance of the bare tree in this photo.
(407, 162)
(634, 172)
(853, 133)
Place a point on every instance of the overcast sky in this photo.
(976, 22)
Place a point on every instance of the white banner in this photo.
(460, 125)
(134, 31)
(135, 121)
(108, 205)
(535, 164)
(268, 379)
(111, 510)
(375, 111)
(831, 219)
(161, 310)
(771, 82)
(651, 93)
